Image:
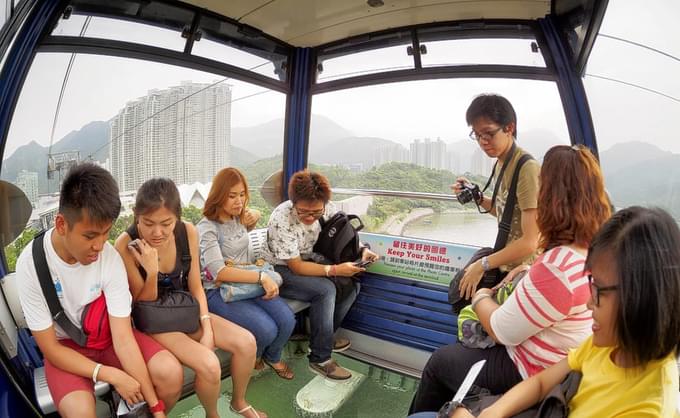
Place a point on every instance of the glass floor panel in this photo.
(382, 393)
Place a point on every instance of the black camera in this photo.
(468, 193)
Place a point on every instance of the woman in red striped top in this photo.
(546, 314)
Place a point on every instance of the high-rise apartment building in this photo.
(183, 132)
(428, 153)
(28, 182)
(390, 153)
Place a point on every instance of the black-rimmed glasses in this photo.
(596, 291)
(487, 136)
(302, 213)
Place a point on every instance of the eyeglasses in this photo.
(487, 136)
(596, 291)
(313, 213)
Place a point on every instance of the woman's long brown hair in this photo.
(222, 183)
(572, 203)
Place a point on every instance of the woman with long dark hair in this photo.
(153, 264)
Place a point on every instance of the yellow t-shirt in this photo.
(607, 390)
(527, 197)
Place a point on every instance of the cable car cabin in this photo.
(372, 94)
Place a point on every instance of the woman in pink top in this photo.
(547, 313)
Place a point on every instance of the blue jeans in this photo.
(270, 321)
(325, 313)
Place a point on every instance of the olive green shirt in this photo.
(527, 198)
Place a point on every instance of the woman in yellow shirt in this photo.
(629, 363)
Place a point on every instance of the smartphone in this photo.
(134, 244)
(363, 263)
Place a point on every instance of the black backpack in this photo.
(339, 239)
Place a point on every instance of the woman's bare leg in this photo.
(242, 346)
(202, 361)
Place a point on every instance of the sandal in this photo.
(284, 373)
(243, 411)
(259, 365)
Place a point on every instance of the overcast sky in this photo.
(100, 86)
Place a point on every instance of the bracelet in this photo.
(204, 317)
(334, 270)
(259, 278)
(327, 269)
(159, 407)
(95, 372)
(476, 300)
(485, 263)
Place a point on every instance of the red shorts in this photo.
(61, 383)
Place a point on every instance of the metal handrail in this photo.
(395, 193)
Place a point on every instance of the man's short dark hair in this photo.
(89, 189)
(494, 107)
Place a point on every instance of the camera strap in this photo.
(500, 177)
(506, 219)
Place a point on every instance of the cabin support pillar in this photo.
(298, 114)
(570, 85)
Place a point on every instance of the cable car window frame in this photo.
(476, 29)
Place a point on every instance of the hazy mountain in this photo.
(537, 142)
(33, 156)
(266, 140)
(627, 154)
(351, 150)
(241, 158)
(638, 173)
(92, 139)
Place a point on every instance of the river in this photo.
(456, 227)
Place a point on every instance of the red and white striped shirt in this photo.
(546, 314)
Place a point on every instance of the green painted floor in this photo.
(381, 394)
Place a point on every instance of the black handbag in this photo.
(174, 310)
(489, 279)
(493, 276)
(554, 405)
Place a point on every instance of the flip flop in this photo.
(244, 410)
(284, 373)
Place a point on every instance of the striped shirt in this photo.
(546, 315)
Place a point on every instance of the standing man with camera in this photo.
(494, 128)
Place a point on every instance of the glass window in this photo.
(634, 97)
(253, 52)
(365, 62)
(139, 120)
(482, 51)
(412, 137)
(232, 56)
(120, 30)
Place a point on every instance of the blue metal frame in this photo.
(298, 116)
(570, 86)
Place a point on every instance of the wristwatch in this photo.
(485, 263)
(259, 279)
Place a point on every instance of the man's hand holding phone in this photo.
(363, 263)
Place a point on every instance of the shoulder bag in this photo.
(235, 291)
(175, 310)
